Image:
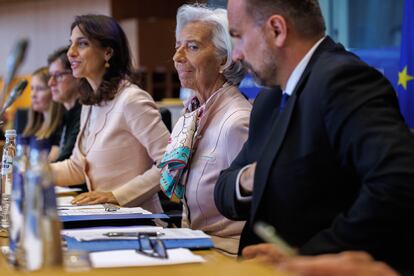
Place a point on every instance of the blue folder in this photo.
(70, 222)
(112, 217)
(104, 245)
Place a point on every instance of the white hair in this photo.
(233, 71)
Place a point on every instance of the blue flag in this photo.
(405, 87)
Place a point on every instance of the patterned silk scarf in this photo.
(174, 165)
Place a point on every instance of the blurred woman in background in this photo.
(65, 90)
(45, 116)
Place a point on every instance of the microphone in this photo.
(14, 61)
(16, 92)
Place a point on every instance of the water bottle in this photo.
(9, 152)
(16, 205)
(41, 227)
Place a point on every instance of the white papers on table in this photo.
(167, 233)
(66, 208)
(99, 209)
(64, 190)
(80, 207)
(122, 258)
(64, 200)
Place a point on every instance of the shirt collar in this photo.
(298, 71)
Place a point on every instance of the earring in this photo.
(107, 65)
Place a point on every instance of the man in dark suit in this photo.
(331, 164)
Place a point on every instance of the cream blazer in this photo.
(124, 145)
(221, 133)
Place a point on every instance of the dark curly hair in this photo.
(107, 33)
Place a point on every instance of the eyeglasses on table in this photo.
(151, 247)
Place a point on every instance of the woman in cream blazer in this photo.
(220, 135)
(121, 137)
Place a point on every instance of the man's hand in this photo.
(94, 198)
(342, 264)
(264, 252)
(247, 180)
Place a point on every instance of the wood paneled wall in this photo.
(45, 22)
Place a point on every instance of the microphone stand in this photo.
(14, 95)
(14, 61)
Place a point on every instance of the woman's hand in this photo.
(94, 198)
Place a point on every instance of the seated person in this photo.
(327, 175)
(121, 137)
(45, 116)
(214, 127)
(65, 90)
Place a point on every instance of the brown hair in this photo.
(305, 15)
(36, 124)
(105, 31)
(60, 54)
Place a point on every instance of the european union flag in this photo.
(405, 87)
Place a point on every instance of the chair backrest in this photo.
(166, 117)
(172, 209)
(20, 120)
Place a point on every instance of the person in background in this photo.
(213, 128)
(122, 137)
(44, 115)
(329, 159)
(65, 90)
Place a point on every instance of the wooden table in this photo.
(216, 264)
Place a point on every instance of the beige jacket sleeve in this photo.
(70, 171)
(237, 130)
(144, 121)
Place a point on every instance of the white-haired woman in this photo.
(213, 128)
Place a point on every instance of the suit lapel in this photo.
(279, 130)
(264, 164)
(86, 109)
(101, 119)
(220, 101)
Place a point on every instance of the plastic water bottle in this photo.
(16, 254)
(41, 227)
(9, 152)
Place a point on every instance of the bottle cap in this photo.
(10, 133)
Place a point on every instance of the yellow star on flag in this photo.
(403, 78)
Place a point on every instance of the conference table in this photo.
(216, 264)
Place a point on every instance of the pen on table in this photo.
(132, 234)
(268, 233)
(110, 207)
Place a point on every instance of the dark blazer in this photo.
(71, 123)
(335, 169)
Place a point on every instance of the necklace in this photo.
(87, 130)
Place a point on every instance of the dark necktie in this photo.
(283, 101)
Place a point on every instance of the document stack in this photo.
(137, 245)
